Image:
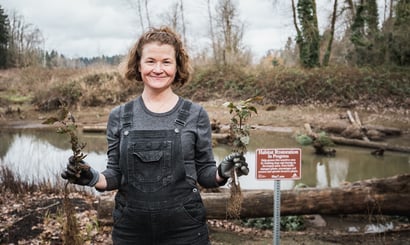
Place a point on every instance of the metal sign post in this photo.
(278, 164)
(276, 213)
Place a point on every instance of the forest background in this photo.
(361, 58)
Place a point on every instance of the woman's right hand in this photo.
(80, 173)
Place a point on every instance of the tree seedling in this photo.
(67, 125)
(240, 135)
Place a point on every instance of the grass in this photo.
(14, 98)
(330, 85)
(12, 182)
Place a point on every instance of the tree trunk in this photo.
(211, 31)
(140, 16)
(298, 31)
(183, 24)
(389, 196)
(326, 57)
(147, 13)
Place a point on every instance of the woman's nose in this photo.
(158, 67)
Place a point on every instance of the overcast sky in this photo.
(87, 28)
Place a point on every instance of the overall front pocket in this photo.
(150, 165)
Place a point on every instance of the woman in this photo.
(159, 148)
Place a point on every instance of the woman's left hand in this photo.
(234, 160)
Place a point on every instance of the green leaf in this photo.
(304, 139)
(61, 130)
(252, 108)
(72, 127)
(245, 140)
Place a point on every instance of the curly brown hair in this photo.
(162, 35)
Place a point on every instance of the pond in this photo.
(38, 155)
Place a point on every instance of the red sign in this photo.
(279, 163)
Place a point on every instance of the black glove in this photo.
(83, 175)
(234, 160)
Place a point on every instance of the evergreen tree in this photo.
(366, 35)
(400, 45)
(4, 37)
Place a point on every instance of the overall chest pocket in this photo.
(150, 166)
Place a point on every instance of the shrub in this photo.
(67, 94)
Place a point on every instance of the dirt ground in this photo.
(36, 218)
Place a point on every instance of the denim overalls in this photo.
(155, 204)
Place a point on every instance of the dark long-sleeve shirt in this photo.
(196, 141)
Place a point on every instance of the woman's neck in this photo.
(160, 102)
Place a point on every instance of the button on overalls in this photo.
(155, 204)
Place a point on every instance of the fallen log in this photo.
(386, 130)
(388, 196)
(361, 143)
(357, 125)
(337, 127)
(373, 145)
(94, 128)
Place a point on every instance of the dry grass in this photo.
(342, 86)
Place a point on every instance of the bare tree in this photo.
(211, 31)
(136, 4)
(295, 23)
(181, 4)
(25, 42)
(142, 9)
(140, 14)
(175, 19)
(351, 6)
(171, 17)
(229, 31)
(147, 12)
(328, 51)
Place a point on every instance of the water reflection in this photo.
(335, 169)
(41, 155)
(34, 158)
(321, 176)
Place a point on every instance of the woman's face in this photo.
(158, 65)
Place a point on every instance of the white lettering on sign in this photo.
(279, 163)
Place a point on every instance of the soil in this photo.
(37, 217)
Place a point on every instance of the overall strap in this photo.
(183, 113)
(127, 114)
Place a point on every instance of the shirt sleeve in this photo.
(204, 158)
(113, 172)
